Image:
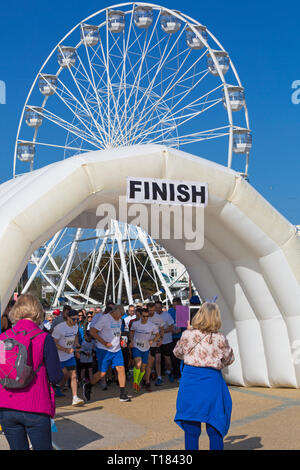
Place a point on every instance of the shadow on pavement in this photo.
(80, 435)
(242, 443)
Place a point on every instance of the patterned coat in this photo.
(201, 349)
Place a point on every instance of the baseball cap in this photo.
(56, 312)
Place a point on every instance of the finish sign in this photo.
(171, 192)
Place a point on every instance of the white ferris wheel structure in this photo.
(130, 74)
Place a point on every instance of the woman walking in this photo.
(26, 411)
(203, 396)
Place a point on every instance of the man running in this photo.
(107, 333)
(155, 351)
(142, 335)
(65, 335)
(130, 316)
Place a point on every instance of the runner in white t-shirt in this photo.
(94, 320)
(142, 335)
(107, 333)
(65, 335)
(131, 316)
(155, 352)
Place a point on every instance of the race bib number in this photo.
(69, 343)
(141, 345)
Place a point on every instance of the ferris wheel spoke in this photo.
(201, 101)
(177, 115)
(148, 89)
(201, 136)
(95, 91)
(124, 109)
(137, 77)
(153, 108)
(70, 106)
(196, 137)
(122, 84)
(181, 120)
(112, 102)
(172, 86)
(85, 101)
(70, 128)
(164, 57)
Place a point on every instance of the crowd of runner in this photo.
(112, 345)
(84, 348)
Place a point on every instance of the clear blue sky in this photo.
(261, 37)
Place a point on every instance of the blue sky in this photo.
(262, 41)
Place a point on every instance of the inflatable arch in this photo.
(250, 258)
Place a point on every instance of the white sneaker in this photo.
(77, 401)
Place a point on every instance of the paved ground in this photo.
(261, 419)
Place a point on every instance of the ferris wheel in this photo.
(134, 73)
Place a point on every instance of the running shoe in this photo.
(103, 386)
(136, 387)
(158, 382)
(171, 378)
(77, 401)
(86, 391)
(124, 397)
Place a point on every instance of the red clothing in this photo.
(130, 323)
(38, 396)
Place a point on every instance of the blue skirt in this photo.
(203, 396)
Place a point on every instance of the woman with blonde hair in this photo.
(203, 396)
(27, 401)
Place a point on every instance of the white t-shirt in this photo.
(87, 347)
(66, 337)
(110, 331)
(142, 334)
(94, 320)
(158, 322)
(168, 320)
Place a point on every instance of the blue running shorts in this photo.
(142, 354)
(107, 358)
(69, 364)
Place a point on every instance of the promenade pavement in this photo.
(262, 419)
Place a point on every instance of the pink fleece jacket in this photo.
(37, 397)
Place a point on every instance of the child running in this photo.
(86, 357)
(142, 335)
